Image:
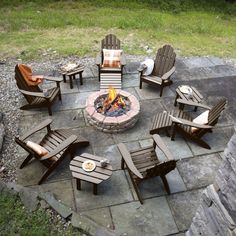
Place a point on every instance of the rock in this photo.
(29, 198)
(2, 187)
(2, 133)
(60, 208)
(83, 222)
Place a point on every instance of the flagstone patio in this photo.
(116, 206)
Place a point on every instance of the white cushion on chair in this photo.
(202, 119)
(111, 57)
(150, 65)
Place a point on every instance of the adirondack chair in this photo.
(34, 95)
(144, 163)
(53, 146)
(186, 125)
(110, 42)
(163, 69)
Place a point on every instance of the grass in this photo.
(29, 28)
(16, 220)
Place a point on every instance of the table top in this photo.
(96, 176)
(74, 71)
(196, 96)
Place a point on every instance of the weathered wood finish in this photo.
(72, 75)
(182, 122)
(110, 42)
(195, 98)
(95, 177)
(57, 142)
(163, 69)
(144, 164)
(34, 95)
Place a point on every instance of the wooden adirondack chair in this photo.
(144, 163)
(110, 42)
(34, 95)
(185, 124)
(57, 144)
(163, 69)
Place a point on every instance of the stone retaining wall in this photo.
(216, 214)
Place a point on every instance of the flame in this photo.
(111, 94)
(113, 101)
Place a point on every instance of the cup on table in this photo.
(104, 162)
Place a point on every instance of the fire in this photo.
(112, 102)
(111, 94)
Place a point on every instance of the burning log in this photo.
(109, 105)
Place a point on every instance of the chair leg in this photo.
(173, 132)
(26, 161)
(166, 185)
(161, 90)
(137, 191)
(140, 84)
(49, 110)
(47, 172)
(122, 164)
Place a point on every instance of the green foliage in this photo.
(76, 27)
(16, 220)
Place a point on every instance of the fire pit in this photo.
(112, 111)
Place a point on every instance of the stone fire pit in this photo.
(112, 124)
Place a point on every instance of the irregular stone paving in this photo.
(116, 206)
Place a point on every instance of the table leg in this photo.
(71, 82)
(78, 184)
(95, 189)
(64, 78)
(81, 78)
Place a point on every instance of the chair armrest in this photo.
(141, 68)
(60, 147)
(159, 142)
(190, 123)
(34, 94)
(37, 128)
(128, 160)
(191, 103)
(55, 79)
(122, 59)
(98, 59)
(168, 74)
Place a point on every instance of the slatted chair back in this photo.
(214, 112)
(110, 42)
(22, 84)
(165, 60)
(144, 164)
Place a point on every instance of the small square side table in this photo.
(72, 74)
(98, 175)
(196, 97)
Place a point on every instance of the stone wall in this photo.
(216, 214)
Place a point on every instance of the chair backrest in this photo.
(22, 84)
(110, 42)
(165, 60)
(215, 111)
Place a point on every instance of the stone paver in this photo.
(110, 192)
(152, 218)
(183, 207)
(116, 206)
(200, 171)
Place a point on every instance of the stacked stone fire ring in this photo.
(110, 124)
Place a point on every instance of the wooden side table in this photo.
(196, 97)
(98, 175)
(72, 74)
